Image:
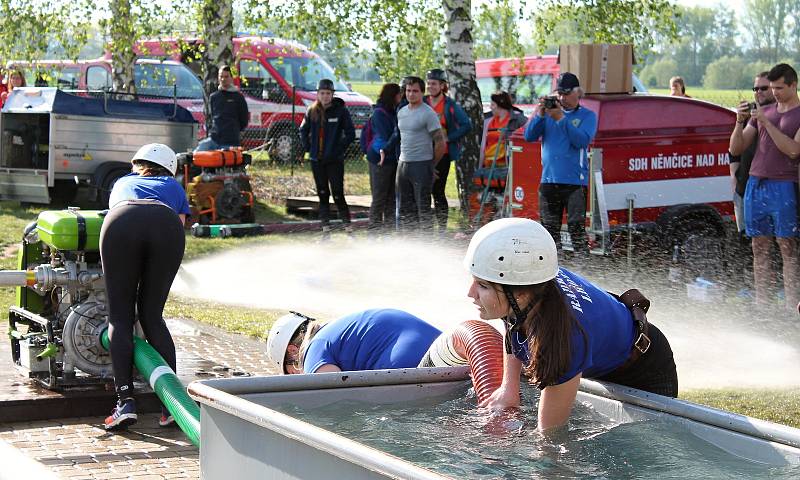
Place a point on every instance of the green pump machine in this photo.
(58, 326)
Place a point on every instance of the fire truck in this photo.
(278, 79)
(658, 165)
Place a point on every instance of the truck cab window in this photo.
(98, 78)
(166, 80)
(258, 83)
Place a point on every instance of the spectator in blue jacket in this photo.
(455, 124)
(326, 132)
(566, 130)
(382, 172)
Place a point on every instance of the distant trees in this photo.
(732, 72)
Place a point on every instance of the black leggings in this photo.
(653, 372)
(329, 179)
(141, 247)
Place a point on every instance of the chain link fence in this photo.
(275, 118)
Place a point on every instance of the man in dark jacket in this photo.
(326, 132)
(455, 125)
(229, 114)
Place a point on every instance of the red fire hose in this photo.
(482, 345)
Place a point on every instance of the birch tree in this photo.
(127, 22)
(216, 21)
(460, 62)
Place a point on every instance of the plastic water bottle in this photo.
(674, 274)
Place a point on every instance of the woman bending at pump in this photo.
(141, 247)
(560, 327)
(327, 130)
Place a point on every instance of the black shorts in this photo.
(653, 372)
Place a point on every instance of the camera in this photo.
(752, 106)
(550, 102)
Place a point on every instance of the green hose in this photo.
(167, 386)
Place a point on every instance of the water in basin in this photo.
(453, 438)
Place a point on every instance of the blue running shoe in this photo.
(123, 416)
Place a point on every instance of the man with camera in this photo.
(566, 130)
(740, 164)
(770, 197)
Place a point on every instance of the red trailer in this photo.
(657, 164)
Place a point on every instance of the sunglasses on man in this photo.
(760, 89)
(565, 91)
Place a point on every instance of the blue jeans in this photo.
(208, 143)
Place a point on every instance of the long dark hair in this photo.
(548, 327)
(388, 95)
(316, 111)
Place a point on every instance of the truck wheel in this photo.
(702, 247)
(108, 183)
(285, 145)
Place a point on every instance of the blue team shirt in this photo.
(371, 340)
(167, 190)
(608, 324)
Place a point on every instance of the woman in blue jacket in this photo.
(141, 248)
(560, 327)
(382, 173)
(326, 132)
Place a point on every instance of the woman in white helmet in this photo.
(368, 340)
(559, 326)
(141, 247)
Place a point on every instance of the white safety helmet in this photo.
(159, 154)
(512, 251)
(280, 335)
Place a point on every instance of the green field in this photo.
(370, 89)
(726, 98)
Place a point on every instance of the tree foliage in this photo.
(638, 22)
(732, 72)
(658, 73)
(769, 22)
(496, 31)
(29, 29)
(706, 34)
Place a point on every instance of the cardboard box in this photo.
(601, 68)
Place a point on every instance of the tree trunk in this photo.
(217, 28)
(123, 37)
(461, 73)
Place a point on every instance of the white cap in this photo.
(280, 335)
(512, 251)
(159, 154)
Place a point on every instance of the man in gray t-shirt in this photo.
(422, 145)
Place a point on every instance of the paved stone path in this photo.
(80, 449)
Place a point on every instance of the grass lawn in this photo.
(726, 98)
(778, 405)
(370, 89)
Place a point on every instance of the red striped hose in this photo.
(482, 345)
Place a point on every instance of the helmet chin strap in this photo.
(513, 323)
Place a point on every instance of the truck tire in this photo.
(285, 146)
(699, 233)
(107, 184)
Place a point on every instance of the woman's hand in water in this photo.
(507, 396)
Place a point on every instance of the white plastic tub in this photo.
(243, 438)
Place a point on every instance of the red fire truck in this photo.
(278, 79)
(657, 164)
